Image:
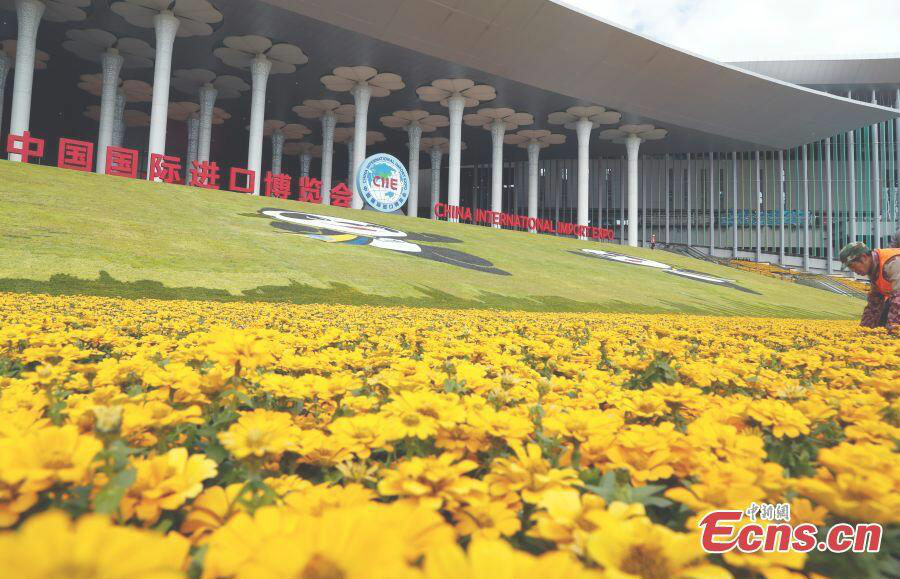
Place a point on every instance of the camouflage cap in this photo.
(853, 250)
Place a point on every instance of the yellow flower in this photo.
(783, 418)
(363, 433)
(50, 545)
(365, 541)
(50, 455)
(260, 433)
(165, 482)
(528, 474)
(496, 559)
(649, 453)
(487, 519)
(433, 482)
(213, 508)
(639, 549)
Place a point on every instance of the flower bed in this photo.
(161, 439)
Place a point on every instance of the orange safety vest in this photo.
(884, 287)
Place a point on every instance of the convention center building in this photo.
(518, 107)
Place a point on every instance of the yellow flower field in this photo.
(169, 439)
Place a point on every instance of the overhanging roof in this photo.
(551, 46)
(878, 74)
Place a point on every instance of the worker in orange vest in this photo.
(652, 241)
(883, 268)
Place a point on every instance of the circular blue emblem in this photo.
(383, 183)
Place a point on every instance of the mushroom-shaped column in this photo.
(437, 147)
(363, 82)
(262, 58)
(29, 14)
(456, 94)
(129, 91)
(347, 136)
(583, 120)
(193, 144)
(168, 18)
(130, 118)
(5, 63)
(415, 123)
(118, 138)
(533, 141)
(8, 56)
(279, 131)
(208, 87)
(306, 152)
(632, 136)
(113, 54)
(498, 121)
(330, 112)
(184, 112)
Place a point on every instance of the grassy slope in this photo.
(60, 229)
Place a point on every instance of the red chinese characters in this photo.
(166, 168)
(250, 180)
(278, 185)
(122, 162)
(205, 175)
(26, 146)
(341, 195)
(75, 155)
(310, 190)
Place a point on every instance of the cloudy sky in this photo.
(730, 30)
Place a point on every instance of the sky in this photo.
(734, 30)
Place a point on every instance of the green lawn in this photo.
(64, 232)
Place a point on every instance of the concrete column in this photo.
(259, 71)
(118, 138)
(632, 145)
(456, 104)
(758, 201)
(350, 161)
(166, 26)
(897, 158)
(712, 203)
(805, 209)
(583, 131)
(305, 162)
(623, 185)
(328, 123)
(876, 181)
(734, 224)
(498, 130)
(645, 180)
(829, 207)
(277, 152)
(362, 93)
(689, 220)
(208, 94)
(111, 64)
(5, 65)
(781, 207)
(29, 14)
(851, 177)
(414, 133)
(436, 155)
(666, 189)
(534, 152)
(192, 145)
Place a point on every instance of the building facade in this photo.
(531, 108)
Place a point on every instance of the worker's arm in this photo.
(871, 316)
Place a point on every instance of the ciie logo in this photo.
(383, 183)
(722, 531)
